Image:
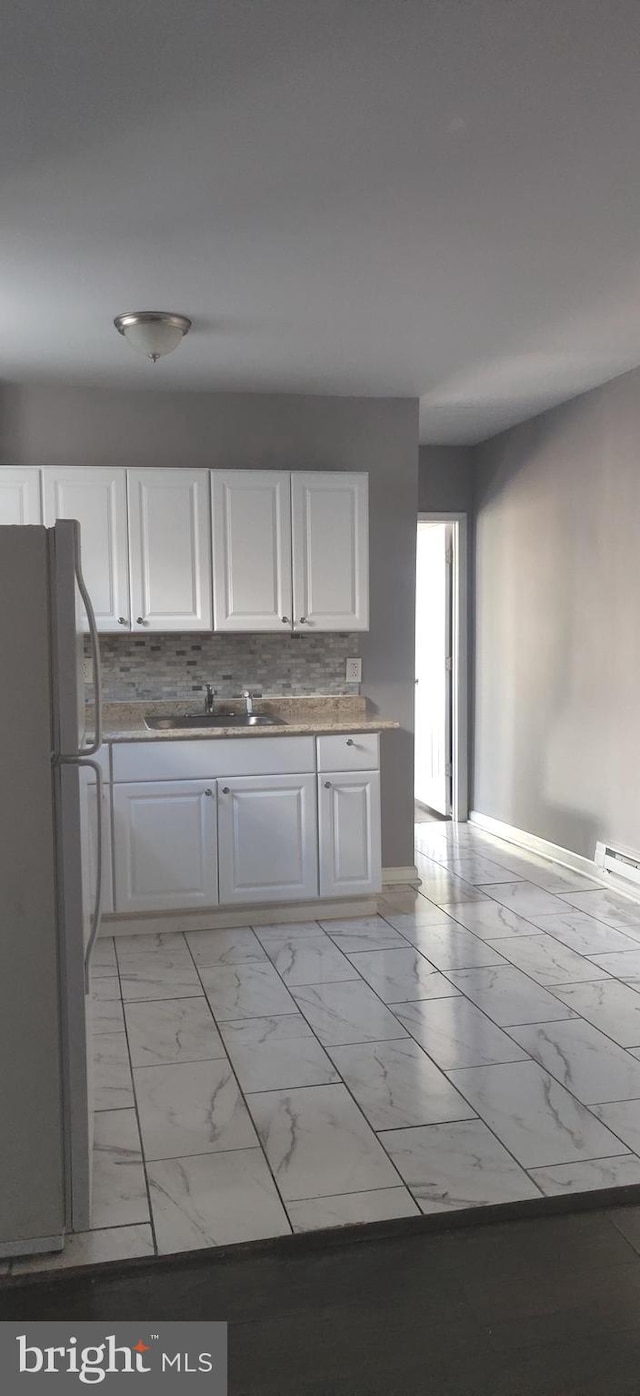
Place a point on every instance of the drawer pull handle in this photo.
(208, 792)
(327, 785)
(225, 789)
(350, 741)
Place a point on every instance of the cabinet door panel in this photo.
(330, 525)
(97, 498)
(90, 859)
(349, 811)
(251, 549)
(267, 839)
(165, 848)
(20, 496)
(170, 543)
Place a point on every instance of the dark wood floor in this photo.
(542, 1307)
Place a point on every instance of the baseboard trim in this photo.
(154, 923)
(391, 876)
(553, 851)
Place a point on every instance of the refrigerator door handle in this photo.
(97, 907)
(95, 654)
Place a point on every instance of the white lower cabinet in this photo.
(267, 839)
(349, 829)
(165, 846)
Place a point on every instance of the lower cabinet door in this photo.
(267, 839)
(350, 851)
(165, 848)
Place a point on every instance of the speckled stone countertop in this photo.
(307, 716)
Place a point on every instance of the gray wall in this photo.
(68, 426)
(557, 690)
(445, 479)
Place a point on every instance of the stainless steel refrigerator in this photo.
(48, 917)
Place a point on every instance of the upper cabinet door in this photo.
(330, 551)
(97, 498)
(20, 497)
(251, 549)
(170, 548)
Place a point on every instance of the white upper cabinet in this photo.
(251, 549)
(170, 550)
(20, 497)
(97, 498)
(330, 523)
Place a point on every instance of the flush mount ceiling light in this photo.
(152, 332)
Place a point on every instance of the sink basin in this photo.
(187, 720)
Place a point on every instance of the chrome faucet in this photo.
(208, 700)
(246, 694)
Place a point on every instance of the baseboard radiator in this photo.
(621, 862)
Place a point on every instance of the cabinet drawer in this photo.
(357, 751)
(205, 760)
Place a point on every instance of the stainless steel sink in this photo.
(186, 720)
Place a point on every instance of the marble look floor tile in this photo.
(477, 870)
(507, 996)
(450, 946)
(447, 890)
(400, 976)
(168, 949)
(558, 879)
(489, 920)
(172, 1030)
(235, 947)
(348, 1012)
(106, 990)
(245, 991)
(103, 958)
(403, 899)
(450, 1166)
(369, 933)
(119, 1187)
(589, 1064)
(608, 906)
(272, 930)
(455, 1033)
(610, 1006)
(105, 1015)
(524, 898)
(156, 967)
(535, 1117)
(426, 914)
(311, 960)
(395, 1085)
(623, 1118)
(214, 1200)
(91, 1248)
(623, 964)
(583, 933)
(112, 1084)
(318, 1144)
(351, 1209)
(584, 1177)
(547, 960)
(276, 1053)
(191, 1108)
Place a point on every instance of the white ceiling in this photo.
(433, 198)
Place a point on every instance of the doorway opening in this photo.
(440, 777)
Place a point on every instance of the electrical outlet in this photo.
(353, 671)
(87, 670)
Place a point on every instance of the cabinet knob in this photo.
(208, 792)
(327, 785)
(140, 620)
(121, 620)
(225, 789)
(350, 741)
(303, 621)
(285, 620)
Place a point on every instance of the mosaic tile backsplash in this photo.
(177, 666)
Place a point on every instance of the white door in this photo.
(350, 849)
(433, 666)
(330, 522)
(89, 800)
(251, 549)
(267, 839)
(170, 543)
(20, 496)
(165, 851)
(97, 498)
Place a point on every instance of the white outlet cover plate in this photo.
(353, 672)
